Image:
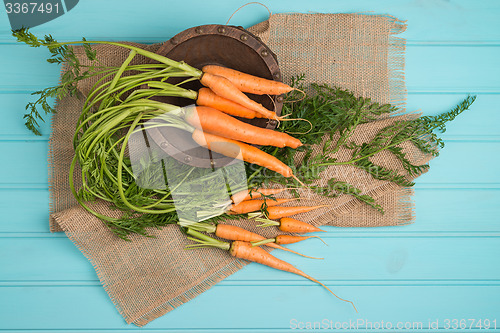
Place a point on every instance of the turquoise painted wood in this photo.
(443, 267)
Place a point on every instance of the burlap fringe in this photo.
(53, 227)
(406, 207)
(396, 64)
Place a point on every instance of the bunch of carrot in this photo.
(213, 126)
(108, 112)
(217, 129)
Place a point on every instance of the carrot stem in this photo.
(264, 241)
(254, 215)
(206, 241)
(266, 222)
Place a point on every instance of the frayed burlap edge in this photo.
(53, 224)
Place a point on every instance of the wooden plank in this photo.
(362, 260)
(26, 69)
(12, 126)
(476, 124)
(448, 69)
(26, 163)
(469, 125)
(428, 69)
(435, 21)
(24, 210)
(433, 208)
(88, 308)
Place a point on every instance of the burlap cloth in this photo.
(147, 277)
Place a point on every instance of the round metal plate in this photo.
(222, 45)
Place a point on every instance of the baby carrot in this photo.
(248, 206)
(245, 250)
(279, 212)
(235, 233)
(283, 239)
(255, 193)
(287, 224)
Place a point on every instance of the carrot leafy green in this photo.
(335, 114)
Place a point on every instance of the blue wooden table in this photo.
(443, 268)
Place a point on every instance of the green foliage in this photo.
(334, 115)
(60, 55)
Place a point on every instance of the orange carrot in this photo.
(283, 239)
(224, 88)
(206, 97)
(234, 233)
(255, 193)
(290, 239)
(287, 224)
(249, 83)
(279, 212)
(218, 123)
(242, 151)
(245, 250)
(248, 206)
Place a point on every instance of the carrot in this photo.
(290, 239)
(254, 193)
(279, 212)
(218, 123)
(248, 206)
(235, 233)
(224, 88)
(249, 83)
(284, 239)
(242, 151)
(245, 250)
(287, 224)
(206, 97)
